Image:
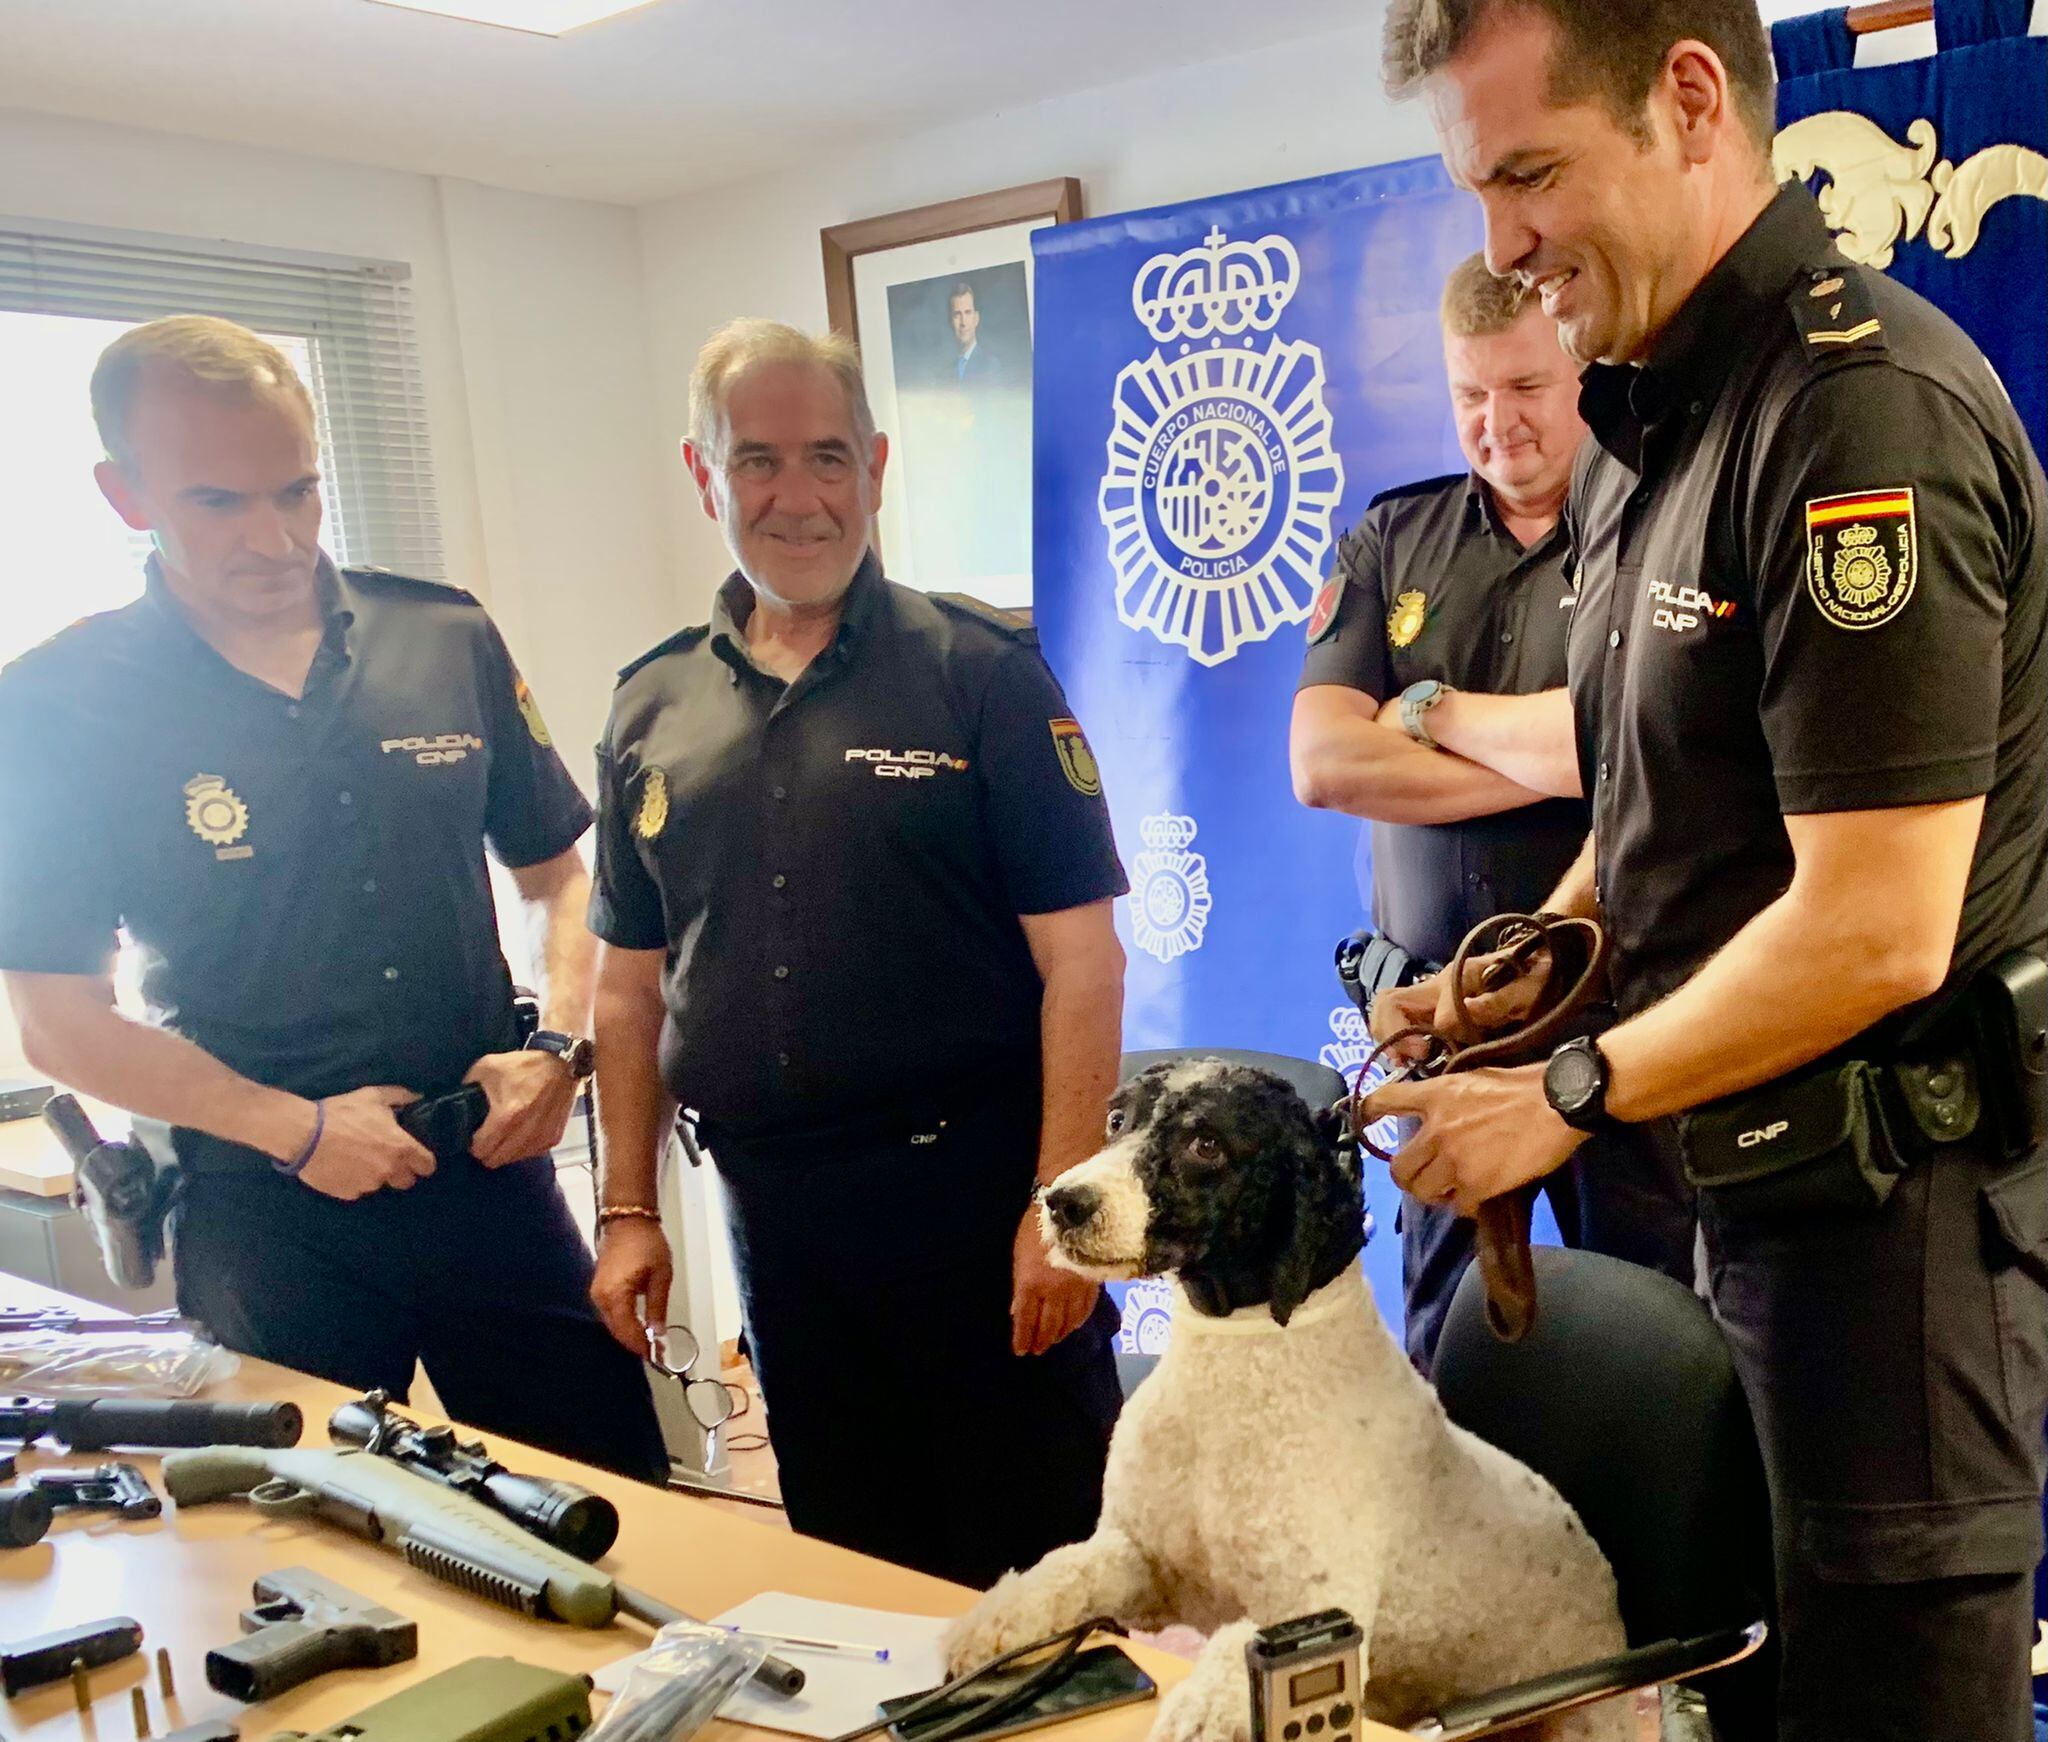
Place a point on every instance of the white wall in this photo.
(1267, 116)
(533, 340)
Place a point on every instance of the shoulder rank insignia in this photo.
(445, 591)
(1861, 558)
(1406, 620)
(1832, 309)
(680, 642)
(1013, 624)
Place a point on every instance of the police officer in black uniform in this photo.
(855, 885)
(1807, 679)
(1461, 584)
(278, 777)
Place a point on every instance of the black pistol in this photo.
(124, 1195)
(301, 1626)
(446, 1124)
(121, 1489)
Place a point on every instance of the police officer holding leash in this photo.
(278, 777)
(1811, 710)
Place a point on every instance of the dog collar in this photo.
(1336, 1296)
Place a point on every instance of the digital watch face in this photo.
(1573, 1079)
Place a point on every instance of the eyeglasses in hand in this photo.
(674, 1350)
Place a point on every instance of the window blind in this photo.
(354, 316)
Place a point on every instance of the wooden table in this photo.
(187, 1575)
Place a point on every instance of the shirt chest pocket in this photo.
(436, 780)
(914, 796)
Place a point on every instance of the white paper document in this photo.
(841, 1691)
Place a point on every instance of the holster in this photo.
(1369, 964)
(1837, 1135)
(1814, 1141)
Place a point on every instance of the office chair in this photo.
(1623, 1397)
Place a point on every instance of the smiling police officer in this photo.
(278, 778)
(855, 880)
(1806, 675)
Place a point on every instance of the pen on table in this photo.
(796, 1642)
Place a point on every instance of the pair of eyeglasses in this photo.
(674, 1350)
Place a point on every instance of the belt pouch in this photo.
(1812, 1142)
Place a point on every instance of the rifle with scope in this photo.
(571, 1518)
(444, 1533)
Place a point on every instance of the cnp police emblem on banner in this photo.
(1169, 889)
(1221, 481)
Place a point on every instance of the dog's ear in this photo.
(1326, 1216)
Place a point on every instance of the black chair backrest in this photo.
(1318, 1084)
(1623, 1397)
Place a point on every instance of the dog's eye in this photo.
(1204, 1148)
(1116, 1120)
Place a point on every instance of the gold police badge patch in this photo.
(653, 814)
(214, 813)
(1405, 621)
(1862, 558)
(1077, 761)
(529, 711)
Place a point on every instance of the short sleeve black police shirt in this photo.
(1812, 579)
(1431, 584)
(836, 866)
(304, 877)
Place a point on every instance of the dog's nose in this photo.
(1070, 1206)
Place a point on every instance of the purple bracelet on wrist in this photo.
(297, 1165)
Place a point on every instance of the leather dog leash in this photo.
(1568, 959)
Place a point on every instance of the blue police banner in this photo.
(1220, 388)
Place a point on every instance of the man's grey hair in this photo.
(1609, 50)
(746, 344)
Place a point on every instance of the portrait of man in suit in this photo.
(960, 356)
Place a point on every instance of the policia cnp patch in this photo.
(1861, 558)
(1077, 761)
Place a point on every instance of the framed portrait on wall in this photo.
(940, 301)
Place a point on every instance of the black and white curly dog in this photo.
(1284, 1457)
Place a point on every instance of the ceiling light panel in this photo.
(539, 17)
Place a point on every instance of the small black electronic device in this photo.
(1305, 1679)
(446, 1124)
(1095, 1680)
(2012, 1014)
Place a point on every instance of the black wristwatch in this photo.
(1575, 1084)
(574, 1050)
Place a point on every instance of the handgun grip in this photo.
(275, 1659)
(70, 1124)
